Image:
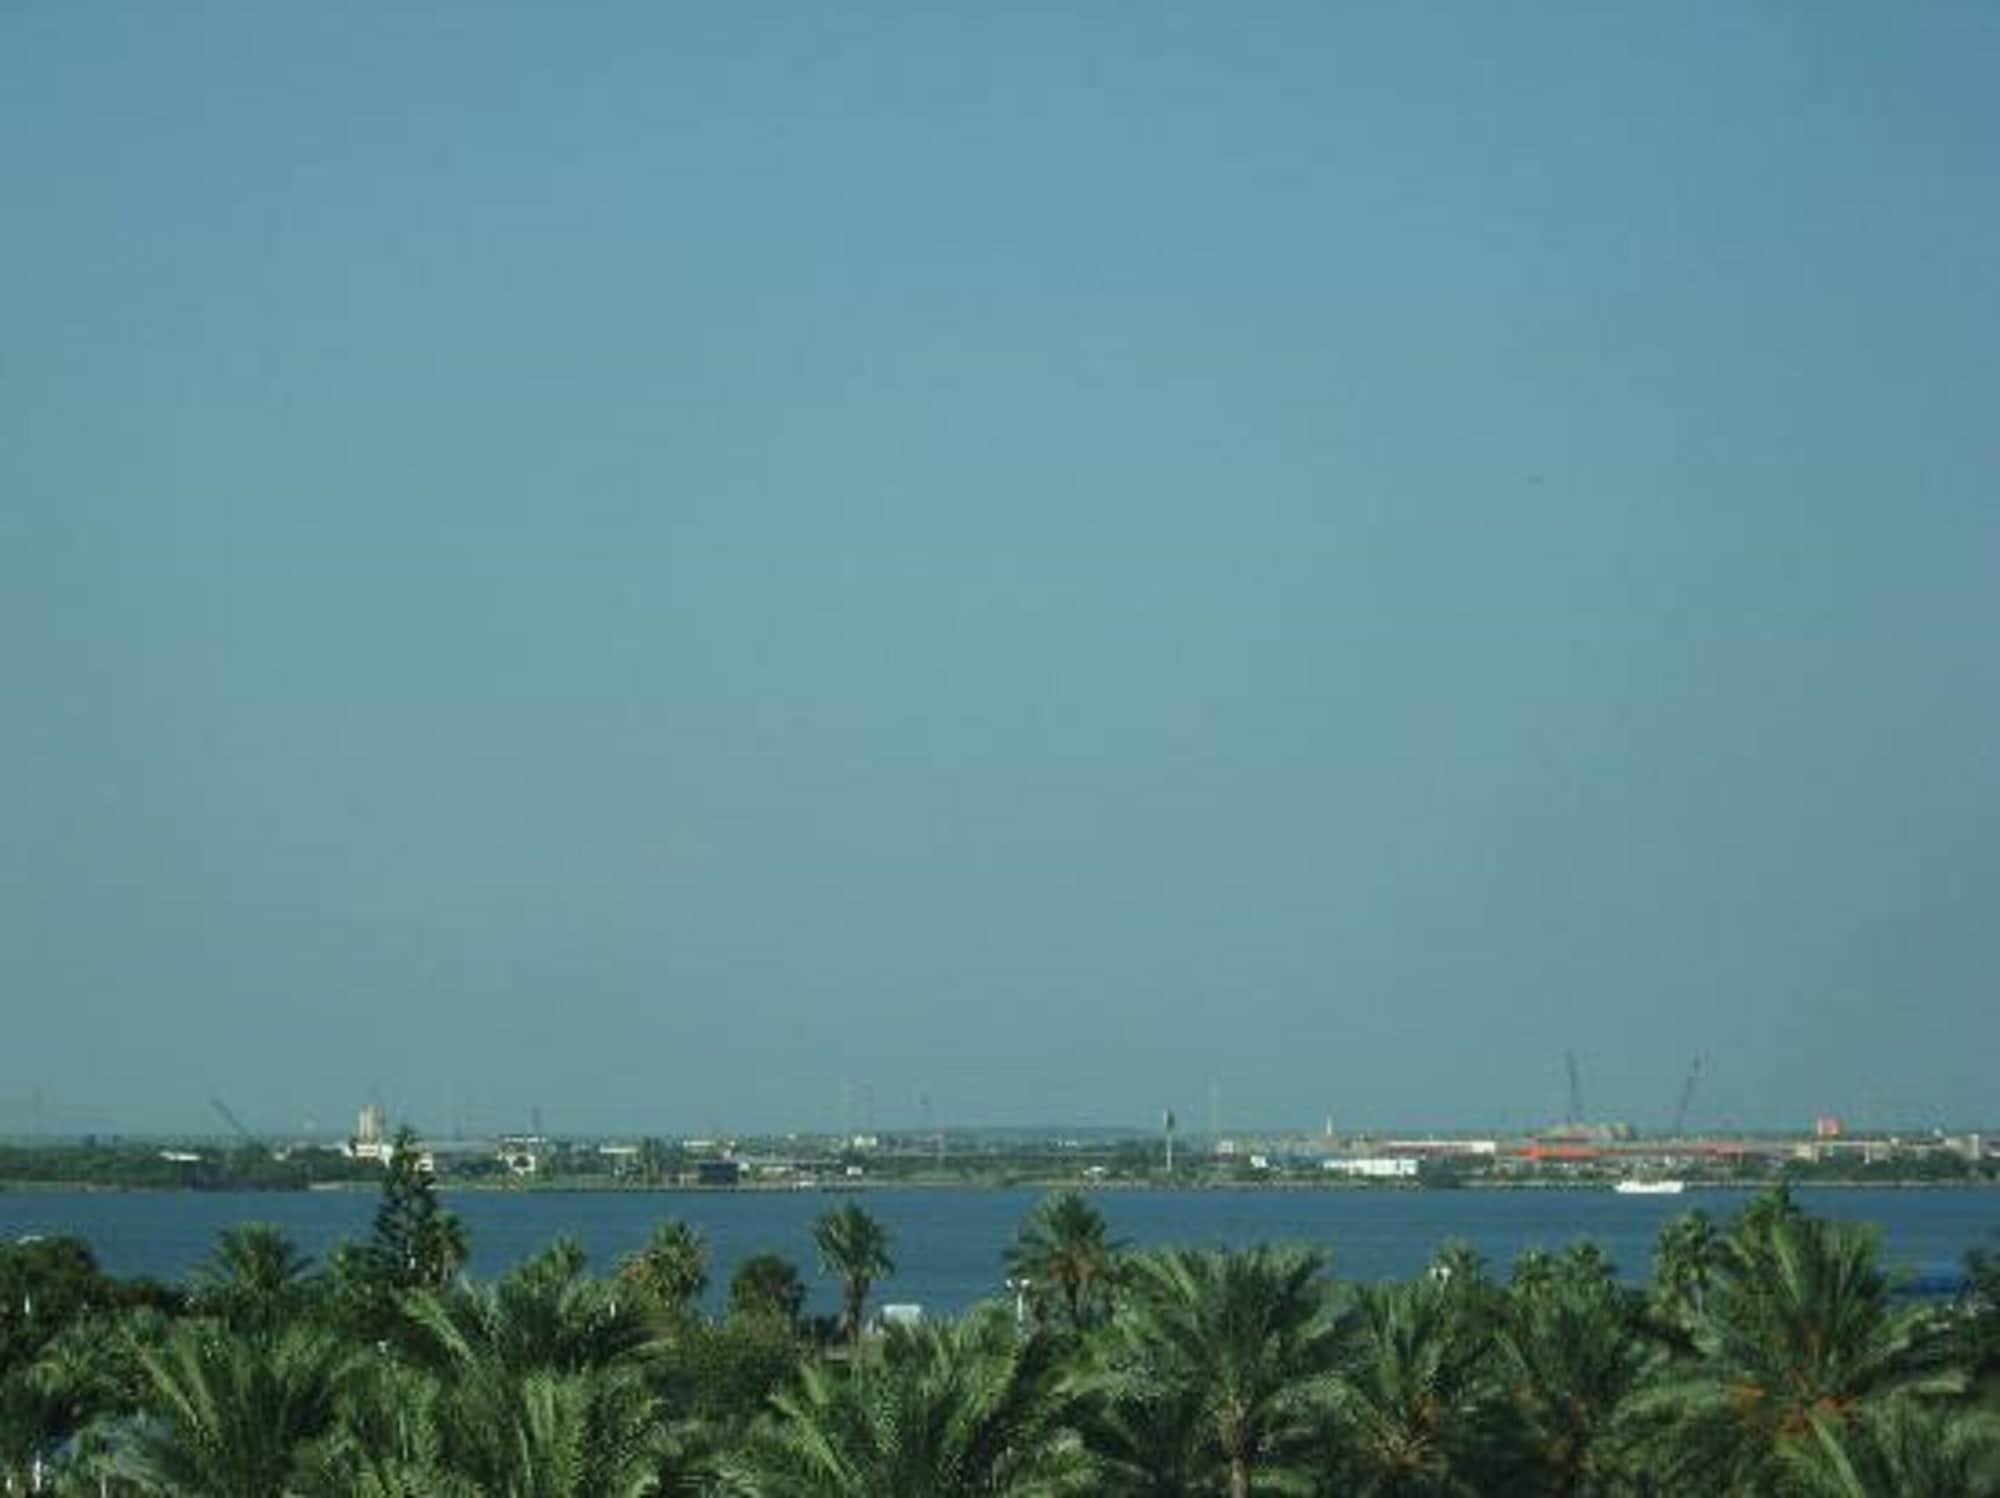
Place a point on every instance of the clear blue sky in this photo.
(679, 563)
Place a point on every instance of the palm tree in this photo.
(1797, 1332)
(87, 1380)
(546, 1313)
(1534, 1269)
(1901, 1446)
(1457, 1261)
(967, 1408)
(491, 1429)
(767, 1286)
(1063, 1245)
(533, 1387)
(1978, 1320)
(1572, 1354)
(1413, 1409)
(548, 1434)
(854, 1247)
(229, 1414)
(256, 1279)
(45, 1285)
(1148, 1440)
(1686, 1257)
(671, 1271)
(1249, 1331)
(1762, 1213)
(388, 1442)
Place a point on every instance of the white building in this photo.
(1374, 1167)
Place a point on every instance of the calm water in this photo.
(947, 1244)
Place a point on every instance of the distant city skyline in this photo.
(663, 565)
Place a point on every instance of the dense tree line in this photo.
(136, 1165)
(1768, 1354)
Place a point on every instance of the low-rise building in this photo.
(1373, 1167)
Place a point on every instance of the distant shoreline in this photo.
(587, 1187)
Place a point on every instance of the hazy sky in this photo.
(696, 565)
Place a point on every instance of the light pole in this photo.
(1020, 1288)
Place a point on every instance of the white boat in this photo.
(1638, 1187)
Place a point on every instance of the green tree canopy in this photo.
(968, 1409)
(1063, 1252)
(1250, 1333)
(416, 1244)
(256, 1280)
(671, 1271)
(854, 1247)
(767, 1285)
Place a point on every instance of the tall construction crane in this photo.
(235, 1123)
(1687, 1097)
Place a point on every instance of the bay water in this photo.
(947, 1243)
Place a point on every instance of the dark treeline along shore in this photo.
(1768, 1353)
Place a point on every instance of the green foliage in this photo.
(1901, 1446)
(390, 1441)
(853, 1246)
(1414, 1408)
(487, 1427)
(1064, 1254)
(416, 1244)
(230, 1416)
(969, 1408)
(114, 1163)
(722, 1375)
(767, 1285)
(671, 1271)
(46, 1286)
(91, 1380)
(546, 1313)
(1977, 1323)
(256, 1281)
(1767, 1355)
(1251, 1332)
(1571, 1355)
(1687, 1256)
(1798, 1332)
